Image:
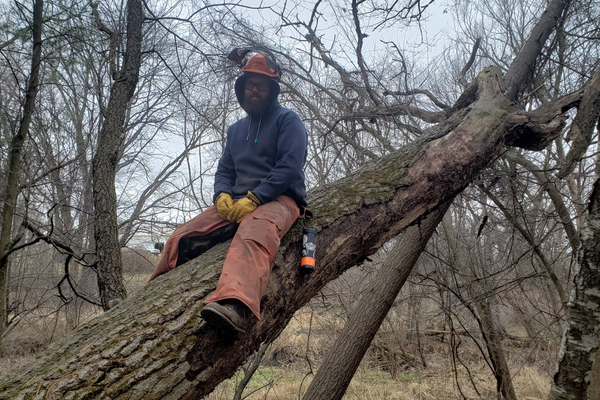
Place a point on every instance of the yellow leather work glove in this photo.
(224, 204)
(243, 207)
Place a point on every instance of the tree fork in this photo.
(155, 345)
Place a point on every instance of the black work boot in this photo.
(230, 316)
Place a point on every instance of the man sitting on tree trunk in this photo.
(259, 189)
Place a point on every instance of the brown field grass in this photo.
(288, 366)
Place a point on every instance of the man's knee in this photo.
(263, 230)
(193, 246)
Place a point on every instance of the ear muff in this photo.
(263, 62)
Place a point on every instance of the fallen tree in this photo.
(155, 345)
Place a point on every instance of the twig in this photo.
(249, 372)
(310, 372)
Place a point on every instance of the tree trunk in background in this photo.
(484, 316)
(109, 264)
(11, 187)
(155, 345)
(344, 357)
(493, 343)
(580, 340)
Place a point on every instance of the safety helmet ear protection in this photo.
(263, 62)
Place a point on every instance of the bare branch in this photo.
(462, 80)
(420, 91)
(113, 37)
(582, 128)
(522, 67)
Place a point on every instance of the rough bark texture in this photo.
(108, 250)
(11, 186)
(344, 357)
(155, 345)
(580, 339)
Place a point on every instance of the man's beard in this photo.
(255, 107)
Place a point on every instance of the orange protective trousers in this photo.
(248, 263)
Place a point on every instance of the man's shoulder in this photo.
(285, 112)
(238, 122)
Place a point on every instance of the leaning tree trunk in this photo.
(344, 357)
(156, 346)
(108, 250)
(11, 186)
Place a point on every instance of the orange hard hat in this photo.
(258, 64)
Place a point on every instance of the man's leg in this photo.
(206, 224)
(248, 264)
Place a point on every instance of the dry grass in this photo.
(285, 371)
(434, 383)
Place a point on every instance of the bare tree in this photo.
(11, 186)
(580, 339)
(108, 250)
(355, 115)
(481, 308)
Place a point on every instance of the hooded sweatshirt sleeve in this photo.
(291, 156)
(225, 175)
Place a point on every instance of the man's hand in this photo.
(243, 207)
(224, 205)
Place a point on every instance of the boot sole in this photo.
(215, 319)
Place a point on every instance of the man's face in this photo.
(256, 94)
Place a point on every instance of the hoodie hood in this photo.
(273, 89)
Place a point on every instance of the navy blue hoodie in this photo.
(264, 154)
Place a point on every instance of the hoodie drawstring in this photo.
(257, 129)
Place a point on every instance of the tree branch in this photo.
(582, 128)
(522, 68)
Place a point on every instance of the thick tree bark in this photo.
(108, 250)
(593, 391)
(344, 357)
(580, 340)
(155, 345)
(11, 186)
